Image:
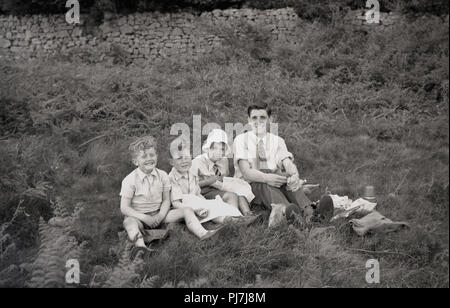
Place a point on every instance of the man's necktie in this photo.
(261, 156)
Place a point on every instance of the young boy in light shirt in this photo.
(186, 191)
(145, 197)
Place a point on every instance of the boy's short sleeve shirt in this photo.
(145, 190)
(182, 185)
(203, 167)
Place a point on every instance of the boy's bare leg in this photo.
(187, 214)
(132, 226)
(232, 199)
(223, 219)
(244, 207)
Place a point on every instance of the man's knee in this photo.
(266, 194)
(260, 186)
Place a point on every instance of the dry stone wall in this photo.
(150, 35)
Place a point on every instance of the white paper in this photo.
(348, 206)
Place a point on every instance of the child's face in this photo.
(216, 151)
(146, 160)
(181, 161)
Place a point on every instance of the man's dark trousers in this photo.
(266, 195)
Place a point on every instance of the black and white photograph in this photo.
(224, 148)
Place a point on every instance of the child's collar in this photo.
(142, 175)
(179, 175)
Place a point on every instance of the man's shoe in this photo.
(210, 233)
(323, 211)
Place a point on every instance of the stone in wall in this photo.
(4, 43)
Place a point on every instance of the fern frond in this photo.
(149, 282)
(126, 273)
(57, 247)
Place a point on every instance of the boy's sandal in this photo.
(211, 233)
(136, 250)
(136, 238)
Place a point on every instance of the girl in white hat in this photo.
(213, 171)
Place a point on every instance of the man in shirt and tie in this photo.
(262, 159)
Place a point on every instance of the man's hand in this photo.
(152, 221)
(275, 180)
(220, 177)
(202, 213)
(294, 183)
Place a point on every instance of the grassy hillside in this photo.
(355, 108)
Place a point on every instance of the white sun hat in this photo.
(216, 135)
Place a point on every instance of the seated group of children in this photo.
(195, 191)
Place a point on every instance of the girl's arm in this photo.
(227, 167)
(208, 181)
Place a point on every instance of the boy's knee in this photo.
(130, 222)
(188, 211)
(231, 196)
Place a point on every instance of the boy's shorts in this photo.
(210, 192)
(143, 226)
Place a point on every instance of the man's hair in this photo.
(261, 106)
(141, 144)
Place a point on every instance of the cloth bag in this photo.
(277, 215)
(377, 223)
